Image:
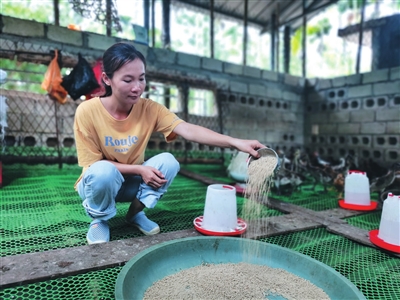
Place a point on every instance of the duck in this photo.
(338, 184)
(286, 181)
(340, 171)
(373, 169)
(379, 184)
(340, 165)
(385, 193)
(318, 161)
(394, 188)
(319, 174)
(284, 160)
(297, 163)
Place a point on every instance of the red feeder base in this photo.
(373, 237)
(372, 206)
(241, 228)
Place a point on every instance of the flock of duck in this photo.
(300, 168)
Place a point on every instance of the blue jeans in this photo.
(103, 185)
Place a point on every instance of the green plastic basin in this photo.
(171, 257)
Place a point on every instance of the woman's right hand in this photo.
(152, 177)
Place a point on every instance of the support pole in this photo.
(56, 12)
(246, 5)
(146, 11)
(184, 100)
(108, 17)
(273, 37)
(166, 37)
(59, 153)
(167, 97)
(286, 46)
(153, 26)
(212, 28)
(360, 37)
(277, 39)
(304, 42)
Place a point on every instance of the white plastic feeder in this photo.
(389, 228)
(356, 192)
(356, 188)
(388, 235)
(220, 212)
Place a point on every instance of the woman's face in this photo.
(128, 82)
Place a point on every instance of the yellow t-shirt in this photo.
(100, 136)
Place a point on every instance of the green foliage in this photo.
(157, 35)
(314, 33)
(195, 33)
(27, 76)
(228, 42)
(206, 45)
(344, 5)
(296, 41)
(29, 10)
(127, 30)
(23, 76)
(322, 28)
(187, 20)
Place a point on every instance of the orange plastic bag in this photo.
(52, 81)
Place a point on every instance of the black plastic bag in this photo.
(81, 80)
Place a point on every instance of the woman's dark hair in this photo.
(115, 57)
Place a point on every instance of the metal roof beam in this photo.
(311, 9)
(205, 6)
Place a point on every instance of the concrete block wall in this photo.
(271, 113)
(254, 103)
(267, 106)
(357, 114)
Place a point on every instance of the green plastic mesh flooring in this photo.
(41, 211)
